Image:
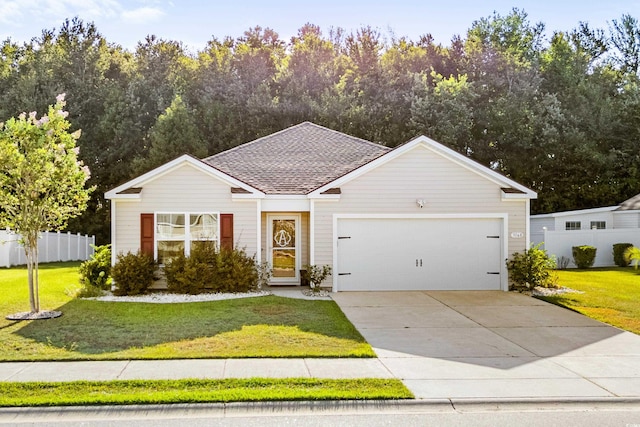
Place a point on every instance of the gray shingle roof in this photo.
(296, 160)
(630, 204)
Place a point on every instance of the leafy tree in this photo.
(175, 133)
(42, 183)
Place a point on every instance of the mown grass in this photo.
(266, 326)
(610, 295)
(197, 391)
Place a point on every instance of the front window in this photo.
(598, 225)
(572, 225)
(175, 236)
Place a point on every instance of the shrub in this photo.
(133, 273)
(264, 274)
(583, 256)
(207, 270)
(235, 271)
(96, 270)
(315, 275)
(619, 250)
(531, 268)
(194, 274)
(632, 256)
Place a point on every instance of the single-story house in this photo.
(419, 216)
(598, 227)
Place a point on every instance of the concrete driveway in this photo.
(494, 345)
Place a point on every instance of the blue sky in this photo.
(194, 22)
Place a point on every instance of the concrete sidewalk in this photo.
(192, 368)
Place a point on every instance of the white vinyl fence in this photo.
(559, 243)
(52, 247)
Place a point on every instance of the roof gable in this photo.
(296, 160)
(510, 188)
(133, 188)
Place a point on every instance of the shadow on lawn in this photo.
(95, 327)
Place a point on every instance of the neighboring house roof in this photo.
(575, 212)
(296, 160)
(630, 204)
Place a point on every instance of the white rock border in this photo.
(167, 298)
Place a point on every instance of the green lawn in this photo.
(267, 326)
(611, 295)
(136, 392)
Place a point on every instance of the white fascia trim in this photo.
(576, 212)
(504, 282)
(134, 197)
(312, 232)
(438, 149)
(630, 211)
(168, 167)
(259, 231)
(509, 197)
(331, 197)
(114, 238)
(241, 196)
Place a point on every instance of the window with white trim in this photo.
(572, 225)
(598, 225)
(176, 236)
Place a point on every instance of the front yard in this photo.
(610, 295)
(266, 326)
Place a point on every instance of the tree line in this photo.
(559, 112)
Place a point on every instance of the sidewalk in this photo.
(192, 368)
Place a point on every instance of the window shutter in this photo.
(226, 231)
(146, 233)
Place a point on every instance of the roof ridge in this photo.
(245, 144)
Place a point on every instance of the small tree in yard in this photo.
(42, 182)
(316, 274)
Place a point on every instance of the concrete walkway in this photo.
(457, 346)
(494, 345)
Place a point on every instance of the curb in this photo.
(280, 408)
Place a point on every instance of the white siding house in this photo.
(420, 216)
(599, 227)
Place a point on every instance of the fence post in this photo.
(58, 248)
(68, 246)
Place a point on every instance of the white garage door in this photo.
(414, 254)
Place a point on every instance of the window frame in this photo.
(597, 223)
(187, 238)
(571, 225)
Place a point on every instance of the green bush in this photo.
(531, 268)
(207, 270)
(96, 270)
(133, 273)
(235, 272)
(194, 274)
(583, 256)
(618, 254)
(315, 275)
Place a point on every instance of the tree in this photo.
(42, 182)
(175, 133)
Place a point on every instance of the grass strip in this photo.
(609, 295)
(134, 392)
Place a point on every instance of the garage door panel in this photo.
(415, 254)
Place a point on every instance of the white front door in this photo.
(283, 245)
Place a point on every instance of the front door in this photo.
(284, 244)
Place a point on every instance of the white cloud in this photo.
(142, 15)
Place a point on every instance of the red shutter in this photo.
(226, 231)
(146, 233)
